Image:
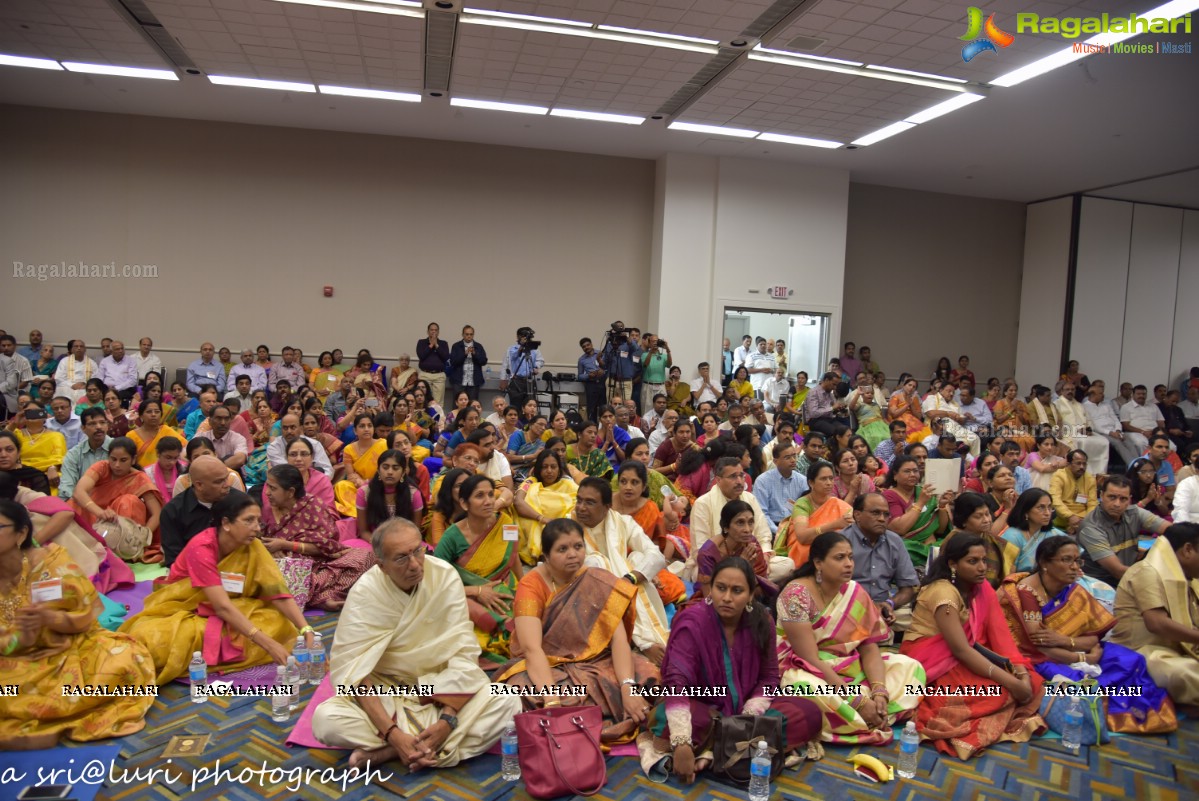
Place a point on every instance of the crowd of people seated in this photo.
(778, 539)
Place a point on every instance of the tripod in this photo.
(520, 388)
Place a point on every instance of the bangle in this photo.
(1072, 643)
(551, 701)
(387, 733)
(250, 634)
(631, 683)
(990, 670)
(1082, 657)
(14, 642)
(678, 740)
(306, 630)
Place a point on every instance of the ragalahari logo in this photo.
(992, 35)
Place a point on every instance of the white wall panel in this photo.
(1152, 282)
(1043, 292)
(1186, 311)
(1101, 278)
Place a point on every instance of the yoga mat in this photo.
(41, 765)
(144, 572)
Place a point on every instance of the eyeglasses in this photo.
(418, 553)
(1070, 561)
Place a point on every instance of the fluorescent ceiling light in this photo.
(1038, 67)
(567, 30)
(23, 61)
(410, 9)
(761, 49)
(797, 140)
(346, 91)
(597, 116)
(526, 17)
(491, 105)
(712, 129)
(952, 104)
(257, 83)
(636, 32)
(883, 133)
(916, 74)
(802, 61)
(125, 72)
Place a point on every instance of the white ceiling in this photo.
(1106, 120)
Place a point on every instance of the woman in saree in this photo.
(523, 447)
(391, 492)
(117, 488)
(584, 456)
(573, 626)
(851, 479)
(40, 449)
(905, 404)
(119, 421)
(632, 499)
(260, 430)
(445, 511)
(726, 642)
(917, 515)
(678, 393)
(317, 485)
(224, 597)
(976, 474)
(973, 514)
(956, 611)
(369, 376)
(57, 643)
(740, 383)
(324, 379)
(403, 376)
(1011, 416)
(93, 395)
(302, 528)
(737, 539)
(487, 562)
(311, 426)
(829, 632)
(667, 496)
(11, 465)
(1029, 524)
(871, 424)
(548, 494)
(151, 429)
(509, 424)
(46, 362)
(361, 459)
(1056, 624)
(794, 404)
(1000, 483)
(559, 427)
(816, 512)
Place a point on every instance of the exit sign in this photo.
(779, 292)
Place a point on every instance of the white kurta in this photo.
(705, 524)
(619, 546)
(388, 637)
(1073, 419)
(69, 372)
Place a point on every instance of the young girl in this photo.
(165, 471)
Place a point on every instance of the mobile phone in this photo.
(45, 791)
(372, 402)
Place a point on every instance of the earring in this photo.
(708, 600)
(749, 607)
(953, 574)
(819, 577)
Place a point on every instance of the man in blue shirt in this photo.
(33, 351)
(1009, 455)
(94, 448)
(206, 371)
(592, 376)
(778, 489)
(621, 361)
(522, 364)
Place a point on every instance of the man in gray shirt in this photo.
(880, 562)
(1109, 534)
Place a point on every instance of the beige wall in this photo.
(930, 275)
(246, 224)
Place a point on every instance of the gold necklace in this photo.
(15, 598)
(554, 584)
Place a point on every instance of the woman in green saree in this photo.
(916, 514)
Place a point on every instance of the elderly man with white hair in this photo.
(74, 371)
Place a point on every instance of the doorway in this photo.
(806, 335)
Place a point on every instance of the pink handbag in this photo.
(559, 751)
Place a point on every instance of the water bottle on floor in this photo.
(909, 751)
(197, 673)
(281, 696)
(303, 660)
(295, 680)
(1072, 732)
(316, 655)
(759, 774)
(510, 767)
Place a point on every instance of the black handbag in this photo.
(998, 660)
(736, 741)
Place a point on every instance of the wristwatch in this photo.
(450, 719)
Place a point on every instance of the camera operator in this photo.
(522, 364)
(655, 361)
(621, 358)
(592, 376)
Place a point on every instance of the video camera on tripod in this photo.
(615, 335)
(524, 338)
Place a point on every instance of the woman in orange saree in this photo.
(632, 499)
(814, 514)
(1011, 416)
(905, 405)
(115, 488)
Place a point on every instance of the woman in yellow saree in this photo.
(482, 548)
(818, 512)
(224, 597)
(548, 494)
(41, 449)
(57, 642)
(325, 380)
(361, 459)
(149, 431)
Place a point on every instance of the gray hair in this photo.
(387, 527)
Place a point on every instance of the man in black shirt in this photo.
(190, 512)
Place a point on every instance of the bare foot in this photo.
(334, 606)
(361, 756)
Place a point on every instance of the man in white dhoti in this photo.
(74, 371)
(405, 664)
(1075, 430)
(940, 405)
(617, 544)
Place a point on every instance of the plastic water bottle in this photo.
(909, 751)
(759, 774)
(296, 680)
(281, 697)
(1072, 732)
(316, 664)
(197, 672)
(510, 767)
(303, 660)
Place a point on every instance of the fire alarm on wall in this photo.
(328, 291)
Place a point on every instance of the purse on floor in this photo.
(559, 751)
(735, 742)
(1094, 709)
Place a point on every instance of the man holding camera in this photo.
(522, 363)
(656, 360)
(621, 358)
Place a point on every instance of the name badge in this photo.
(624, 354)
(511, 533)
(1080, 498)
(233, 582)
(637, 359)
(46, 591)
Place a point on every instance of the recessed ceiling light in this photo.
(798, 140)
(491, 105)
(24, 61)
(916, 74)
(597, 116)
(952, 104)
(399, 8)
(883, 133)
(124, 72)
(258, 83)
(713, 129)
(407, 97)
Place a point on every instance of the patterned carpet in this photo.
(244, 737)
